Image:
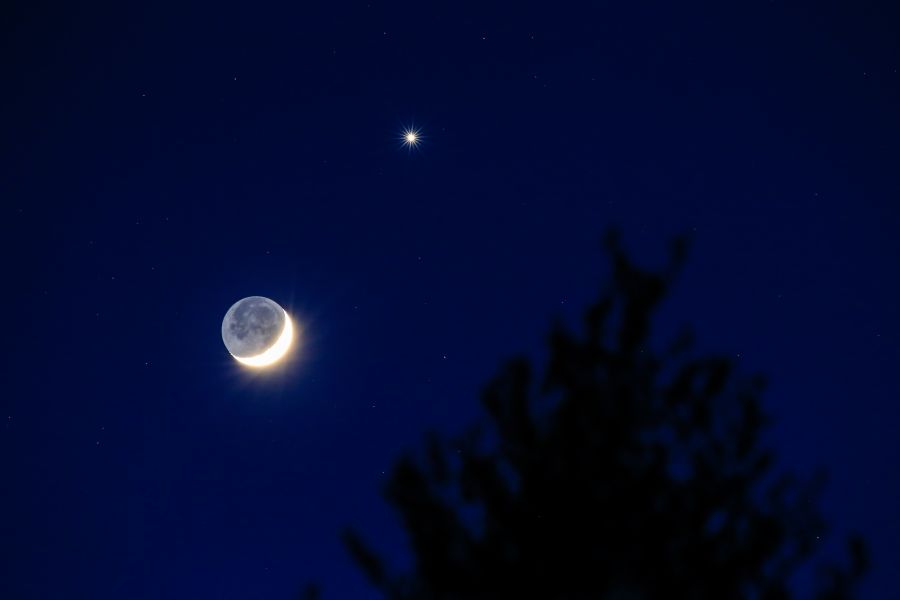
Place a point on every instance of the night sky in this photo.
(161, 162)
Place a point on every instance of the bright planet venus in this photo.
(257, 332)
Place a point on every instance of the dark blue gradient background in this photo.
(159, 162)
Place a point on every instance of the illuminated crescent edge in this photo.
(274, 352)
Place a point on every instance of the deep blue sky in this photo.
(161, 162)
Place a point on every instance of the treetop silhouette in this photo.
(624, 473)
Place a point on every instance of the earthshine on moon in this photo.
(257, 332)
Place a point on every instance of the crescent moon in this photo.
(257, 331)
(276, 351)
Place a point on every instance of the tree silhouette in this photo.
(627, 474)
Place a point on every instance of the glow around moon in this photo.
(257, 332)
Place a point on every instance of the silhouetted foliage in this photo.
(625, 474)
(310, 592)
